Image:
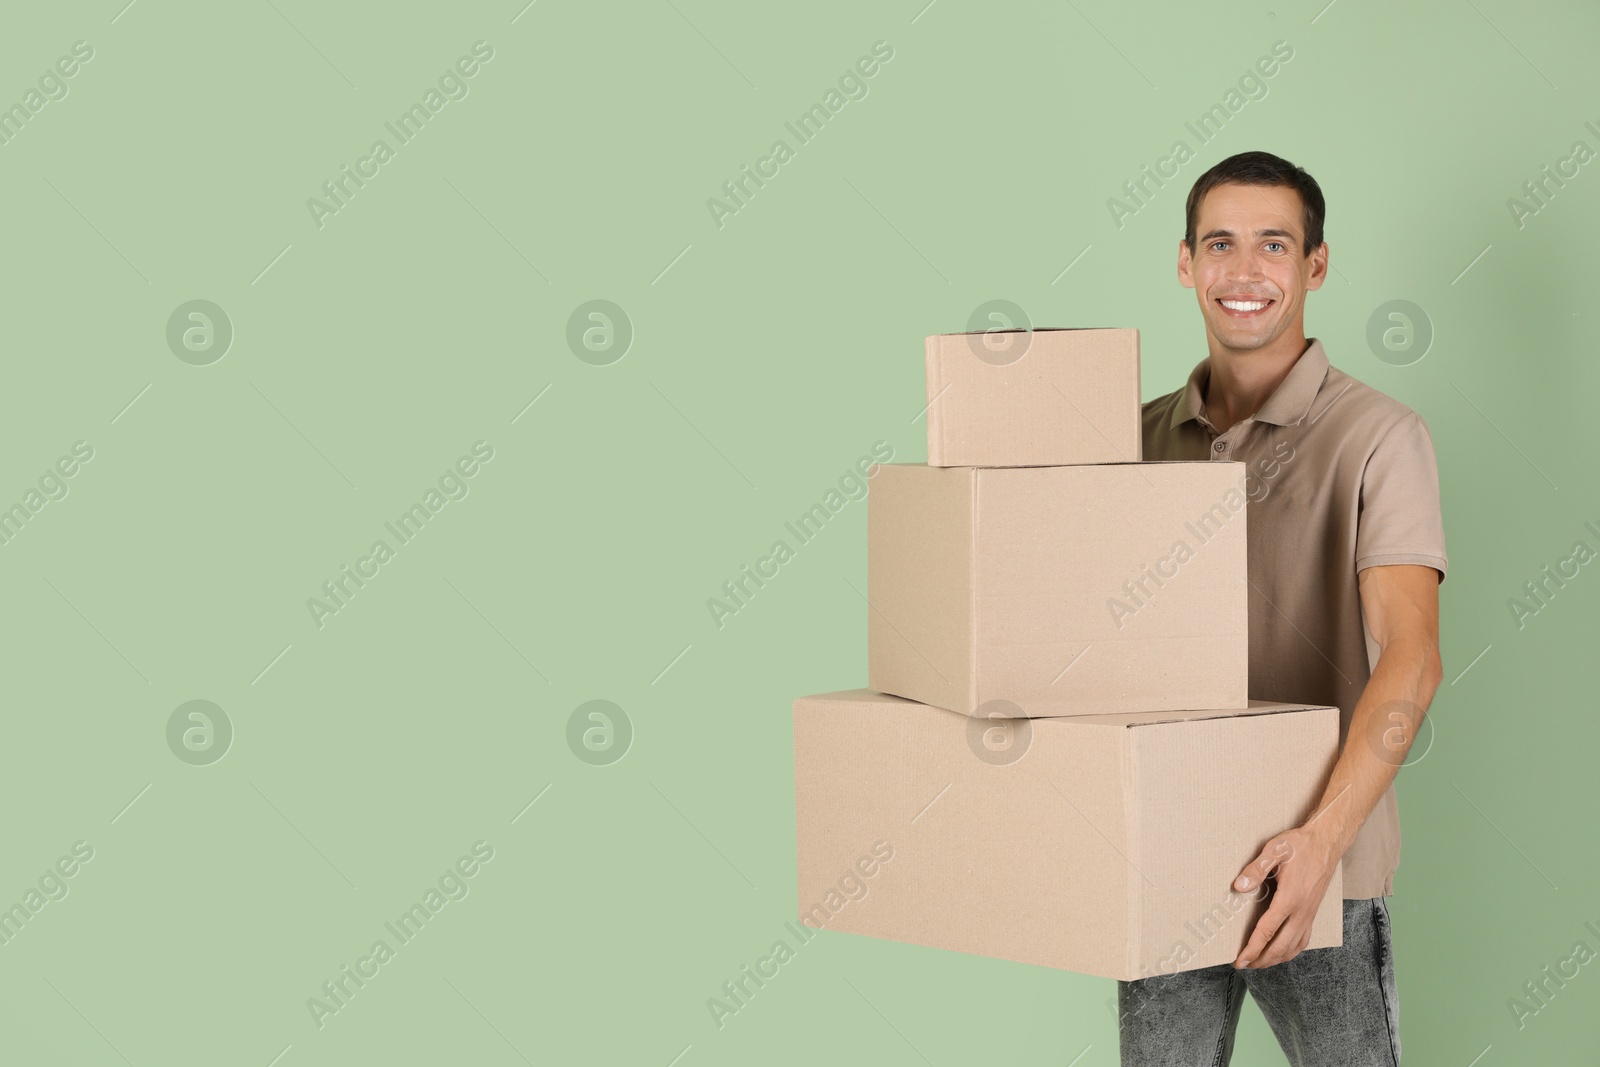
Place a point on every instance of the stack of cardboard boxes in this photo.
(1056, 761)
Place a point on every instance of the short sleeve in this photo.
(1400, 519)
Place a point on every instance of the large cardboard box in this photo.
(1036, 591)
(1033, 398)
(1105, 845)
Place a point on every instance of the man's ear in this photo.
(1185, 274)
(1319, 267)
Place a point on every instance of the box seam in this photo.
(973, 475)
(1138, 439)
(1130, 826)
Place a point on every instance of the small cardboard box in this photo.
(1033, 398)
(1037, 591)
(1105, 845)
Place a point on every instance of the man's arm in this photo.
(1401, 606)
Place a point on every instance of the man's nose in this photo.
(1246, 266)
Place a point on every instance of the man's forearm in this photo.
(1383, 725)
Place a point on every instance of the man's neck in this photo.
(1241, 381)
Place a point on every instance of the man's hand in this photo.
(1400, 604)
(1304, 860)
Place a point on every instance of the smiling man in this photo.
(1346, 553)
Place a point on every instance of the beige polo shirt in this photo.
(1339, 477)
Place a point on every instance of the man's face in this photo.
(1247, 251)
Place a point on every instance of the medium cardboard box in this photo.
(1105, 845)
(1059, 590)
(1033, 398)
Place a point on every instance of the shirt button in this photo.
(1220, 446)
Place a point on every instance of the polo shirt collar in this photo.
(1287, 405)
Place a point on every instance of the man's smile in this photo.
(1244, 307)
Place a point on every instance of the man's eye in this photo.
(1277, 243)
(1216, 244)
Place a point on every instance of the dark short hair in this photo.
(1261, 168)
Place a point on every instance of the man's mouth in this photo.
(1244, 309)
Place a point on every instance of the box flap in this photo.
(1154, 718)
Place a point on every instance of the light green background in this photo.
(768, 356)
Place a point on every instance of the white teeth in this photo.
(1245, 305)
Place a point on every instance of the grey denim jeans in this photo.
(1329, 1007)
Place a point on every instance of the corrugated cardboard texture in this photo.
(1080, 599)
(920, 526)
(1072, 397)
(1108, 848)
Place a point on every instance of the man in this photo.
(1346, 553)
